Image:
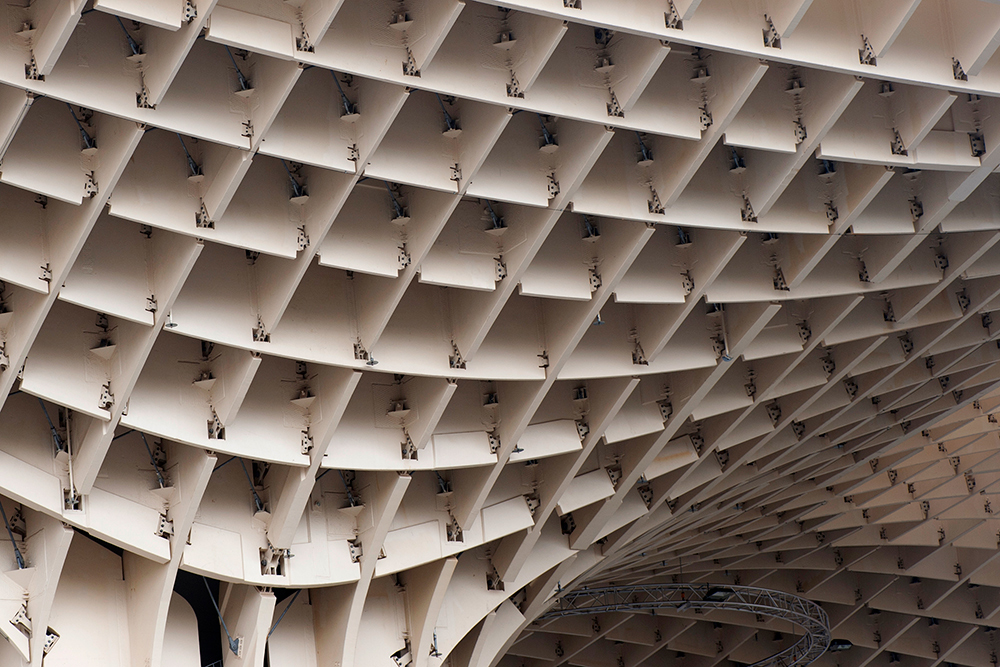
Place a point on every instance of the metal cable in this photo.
(234, 644)
(290, 603)
(152, 459)
(10, 534)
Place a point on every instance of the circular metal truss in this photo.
(806, 614)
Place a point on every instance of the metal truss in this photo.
(806, 614)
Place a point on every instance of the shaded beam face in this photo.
(403, 323)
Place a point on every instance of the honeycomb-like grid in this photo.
(380, 324)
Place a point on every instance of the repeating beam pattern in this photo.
(358, 332)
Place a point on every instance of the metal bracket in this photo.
(165, 529)
(897, 144)
(977, 143)
(271, 560)
(356, 550)
(21, 620)
(672, 18)
(866, 54)
(614, 108)
(90, 188)
(260, 334)
(747, 212)
(957, 72)
(216, 431)
(705, 117)
(31, 71)
(142, 98)
(454, 530)
(51, 637)
(408, 449)
(107, 399)
(687, 282)
(771, 37)
(455, 359)
(831, 212)
(302, 42)
(202, 220)
(779, 280)
(638, 356)
(595, 280)
(410, 65)
(403, 258)
(513, 87)
(654, 202)
(553, 185)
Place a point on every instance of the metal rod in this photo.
(350, 496)
(497, 220)
(290, 603)
(400, 212)
(88, 140)
(234, 645)
(549, 139)
(10, 534)
(253, 490)
(69, 458)
(349, 109)
(192, 165)
(449, 121)
(136, 49)
(152, 459)
(297, 189)
(646, 154)
(244, 84)
(223, 463)
(52, 427)
(441, 483)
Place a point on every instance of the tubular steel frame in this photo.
(774, 604)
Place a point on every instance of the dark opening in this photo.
(192, 588)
